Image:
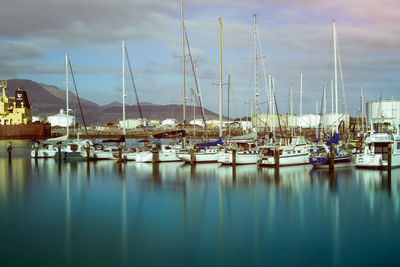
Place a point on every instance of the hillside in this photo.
(48, 100)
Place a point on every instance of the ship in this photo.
(16, 117)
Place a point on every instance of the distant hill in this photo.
(48, 100)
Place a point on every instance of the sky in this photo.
(295, 36)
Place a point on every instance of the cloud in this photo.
(296, 37)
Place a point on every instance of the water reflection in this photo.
(206, 209)
(377, 185)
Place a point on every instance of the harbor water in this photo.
(78, 213)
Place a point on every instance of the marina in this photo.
(105, 213)
(202, 133)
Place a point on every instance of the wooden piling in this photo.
(191, 156)
(389, 161)
(155, 154)
(276, 159)
(332, 158)
(87, 152)
(120, 153)
(234, 157)
(36, 148)
(9, 150)
(59, 152)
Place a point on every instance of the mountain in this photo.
(49, 99)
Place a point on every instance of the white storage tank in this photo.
(61, 119)
(385, 111)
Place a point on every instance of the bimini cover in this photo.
(333, 140)
(215, 143)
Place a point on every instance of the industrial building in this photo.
(383, 112)
(61, 119)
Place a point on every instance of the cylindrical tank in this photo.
(383, 111)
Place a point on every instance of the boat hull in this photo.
(35, 130)
(200, 157)
(321, 162)
(147, 156)
(375, 161)
(286, 160)
(242, 158)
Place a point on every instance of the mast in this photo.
(252, 110)
(255, 72)
(362, 110)
(291, 110)
(332, 107)
(273, 105)
(270, 101)
(123, 87)
(301, 99)
(66, 92)
(220, 76)
(335, 66)
(183, 66)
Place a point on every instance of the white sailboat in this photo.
(296, 153)
(73, 149)
(244, 147)
(111, 152)
(165, 153)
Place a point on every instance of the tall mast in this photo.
(332, 106)
(252, 110)
(335, 66)
(291, 110)
(255, 71)
(123, 87)
(301, 99)
(362, 110)
(66, 92)
(183, 65)
(220, 76)
(270, 101)
(273, 104)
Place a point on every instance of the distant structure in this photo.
(61, 119)
(383, 112)
(169, 123)
(304, 121)
(132, 123)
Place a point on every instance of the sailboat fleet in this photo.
(265, 151)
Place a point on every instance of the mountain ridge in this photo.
(49, 99)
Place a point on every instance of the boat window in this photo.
(398, 145)
(382, 148)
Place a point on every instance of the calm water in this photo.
(103, 213)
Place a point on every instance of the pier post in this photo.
(332, 158)
(36, 147)
(276, 159)
(87, 152)
(234, 157)
(119, 153)
(389, 161)
(155, 154)
(191, 156)
(59, 151)
(9, 150)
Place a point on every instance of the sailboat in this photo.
(73, 148)
(320, 154)
(102, 152)
(296, 153)
(208, 152)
